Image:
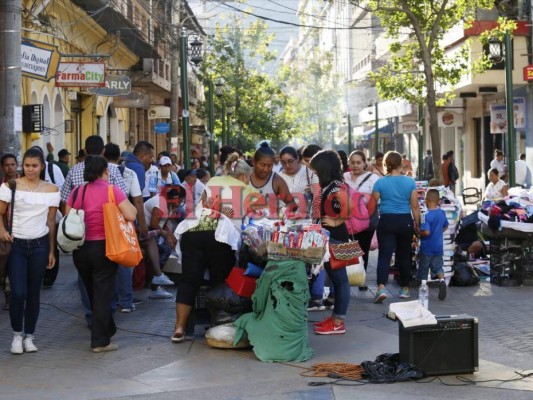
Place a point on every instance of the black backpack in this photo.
(464, 275)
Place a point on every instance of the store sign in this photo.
(135, 99)
(498, 116)
(115, 85)
(80, 74)
(162, 128)
(39, 60)
(448, 119)
(528, 73)
(406, 127)
(156, 112)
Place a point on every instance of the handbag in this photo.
(71, 228)
(5, 247)
(121, 243)
(342, 254)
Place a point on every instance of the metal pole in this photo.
(211, 126)
(174, 81)
(228, 129)
(10, 77)
(350, 144)
(377, 129)
(509, 106)
(185, 100)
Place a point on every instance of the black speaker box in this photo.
(450, 347)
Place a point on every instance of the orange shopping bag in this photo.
(121, 243)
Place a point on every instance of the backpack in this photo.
(51, 172)
(71, 229)
(464, 275)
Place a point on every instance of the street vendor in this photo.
(497, 188)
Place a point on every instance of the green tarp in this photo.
(277, 327)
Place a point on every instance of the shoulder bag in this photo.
(5, 247)
(71, 228)
(121, 243)
(342, 254)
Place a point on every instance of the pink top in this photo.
(93, 205)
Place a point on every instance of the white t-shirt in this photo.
(155, 202)
(494, 191)
(366, 187)
(148, 174)
(58, 176)
(298, 182)
(520, 168)
(30, 215)
(133, 188)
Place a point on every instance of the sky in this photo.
(279, 10)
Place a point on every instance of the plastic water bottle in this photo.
(423, 294)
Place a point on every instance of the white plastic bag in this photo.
(221, 336)
(356, 274)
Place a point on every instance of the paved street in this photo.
(149, 366)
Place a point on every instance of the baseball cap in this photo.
(63, 153)
(165, 160)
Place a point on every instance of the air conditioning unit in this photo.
(72, 95)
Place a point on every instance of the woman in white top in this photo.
(210, 240)
(496, 189)
(33, 244)
(361, 180)
(302, 182)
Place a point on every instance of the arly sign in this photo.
(80, 74)
(115, 85)
(39, 60)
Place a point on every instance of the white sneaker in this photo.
(29, 347)
(159, 293)
(16, 345)
(162, 280)
(128, 310)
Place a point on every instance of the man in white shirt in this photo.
(522, 173)
(499, 165)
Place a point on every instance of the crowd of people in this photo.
(183, 209)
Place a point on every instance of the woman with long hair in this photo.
(362, 181)
(33, 243)
(399, 216)
(209, 240)
(96, 270)
(334, 208)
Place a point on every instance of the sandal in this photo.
(177, 337)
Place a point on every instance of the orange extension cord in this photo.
(335, 370)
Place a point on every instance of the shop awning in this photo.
(385, 130)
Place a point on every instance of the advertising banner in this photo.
(80, 74)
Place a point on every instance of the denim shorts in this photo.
(426, 261)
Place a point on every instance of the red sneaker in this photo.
(329, 328)
(324, 321)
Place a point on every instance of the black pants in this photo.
(365, 239)
(200, 251)
(98, 274)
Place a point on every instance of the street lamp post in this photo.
(229, 112)
(376, 145)
(499, 53)
(211, 125)
(219, 93)
(349, 123)
(196, 58)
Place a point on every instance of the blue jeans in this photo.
(425, 261)
(26, 266)
(317, 286)
(124, 288)
(395, 235)
(339, 278)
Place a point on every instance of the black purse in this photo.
(5, 247)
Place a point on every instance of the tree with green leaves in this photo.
(420, 69)
(237, 56)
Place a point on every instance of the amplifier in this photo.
(450, 347)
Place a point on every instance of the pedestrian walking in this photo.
(33, 243)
